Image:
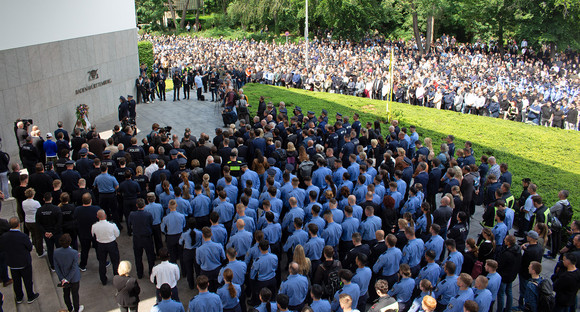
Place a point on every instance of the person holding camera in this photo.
(66, 264)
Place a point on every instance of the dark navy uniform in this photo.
(141, 223)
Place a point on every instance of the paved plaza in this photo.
(199, 117)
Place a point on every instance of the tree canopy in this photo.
(548, 22)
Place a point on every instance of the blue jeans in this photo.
(505, 290)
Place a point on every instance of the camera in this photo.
(167, 130)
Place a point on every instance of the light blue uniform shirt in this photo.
(435, 243)
(337, 176)
(455, 257)
(499, 231)
(239, 268)
(206, 302)
(362, 278)
(156, 210)
(231, 193)
(318, 176)
(319, 222)
(251, 175)
(164, 199)
(173, 223)
(276, 205)
(262, 222)
(186, 240)
(226, 211)
(299, 194)
(105, 183)
(299, 237)
(273, 232)
(354, 171)
(357, 212)
(403, 289)
(313, 248)
(183, 206)
(210, 255)
(249, 224)
(493, 284)
(430, 272)
(219, 234)
(241, 241)
(413, 252)
(200, 205)
(288, 223)
(456, 303)
(483, 298)
(369, 226)
(264, 268)
(337, 215)
(412, 205)
(169, 305)
(319, 306)
(296, 288)
(349, 226)
(263, 308)
(227, 300)
(398, 199)
(446, 289)
(352, 289)
(332, 233)
(389, 262)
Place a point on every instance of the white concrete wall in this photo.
(39, 81)
(32, 22)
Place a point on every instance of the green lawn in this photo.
(548, 156)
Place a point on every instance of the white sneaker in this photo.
(43, 254)
(81, 308)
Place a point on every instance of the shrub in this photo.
(548, 156)
(146, 55)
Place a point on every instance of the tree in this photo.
(184, 15)
(150, 12)
(170, 3)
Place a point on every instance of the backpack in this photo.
(331, 282)
(305, 169)
(291, 160)
(477, 269)
(546, 298)
(566, 215)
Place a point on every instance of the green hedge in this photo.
(548, 156)
(146, 54)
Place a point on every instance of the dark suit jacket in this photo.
(86, 216)
(66, 264)
(17, 247)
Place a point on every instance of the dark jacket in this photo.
(17, 247)
(49, 219)
(509, 263)
(127, 291)
(86, 216)
(531, 253)
(385, 303)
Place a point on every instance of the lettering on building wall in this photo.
(93, 86)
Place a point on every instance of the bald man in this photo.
(241, 240)
(106, 234)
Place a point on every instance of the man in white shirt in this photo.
(106, 234)
(165, 272)
(199, 85)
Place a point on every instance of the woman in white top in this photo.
(30, 206)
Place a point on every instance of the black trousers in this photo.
(108, 201)
(162, 94)
(141, 243)
(202, 222)
(111, 250)
(157, 238)
(72, 291)
(213, 278)
(172, 242)
(176, 94)
(128, 206)
(50, 244)
(199, 94)
(186, 91)
(187, 265)
(86, 244)
(19, 276)
(258, 285)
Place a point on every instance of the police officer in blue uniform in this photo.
(209, 257)
(172, 226)
(263, 272)
(447, 288)
(107, 185)
(387, 266)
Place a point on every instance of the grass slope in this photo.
(550, 157)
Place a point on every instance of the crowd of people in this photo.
(289, 212)
(523, 86)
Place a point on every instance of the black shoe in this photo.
(34, 297)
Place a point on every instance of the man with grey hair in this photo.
(295, 287)
(493, 167)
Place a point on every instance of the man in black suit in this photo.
(176, 85)
(86, 216)
(213, 169)
(17, 247)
